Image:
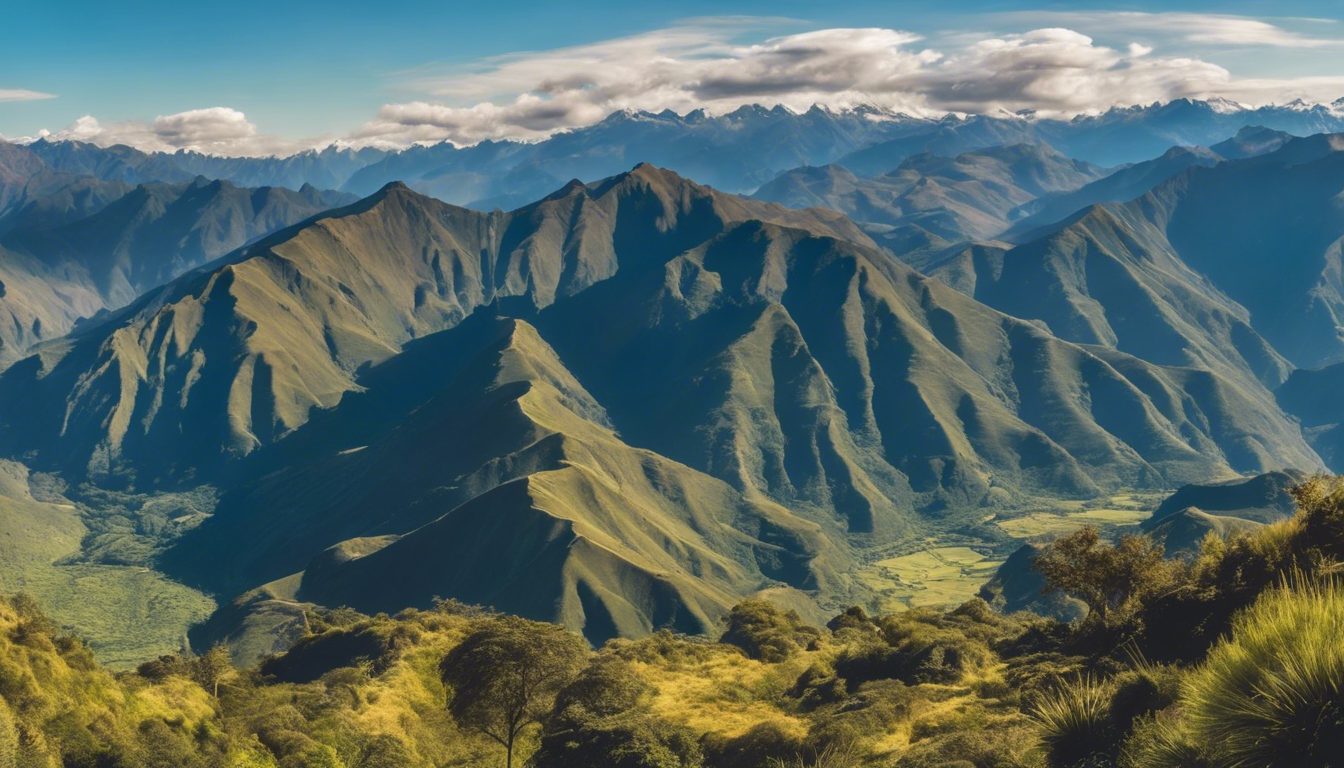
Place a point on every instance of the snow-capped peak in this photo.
(1225, 106)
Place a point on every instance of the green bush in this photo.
(603, 718)
(765, 632)
(753, 749)
(917, 647)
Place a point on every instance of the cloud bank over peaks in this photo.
(1051, 70)
(1054, 70)
(213, 130)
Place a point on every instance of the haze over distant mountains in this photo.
(75, 244)
(736, 152)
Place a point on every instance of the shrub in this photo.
(919, 647)
(845, 755)
(854, 617)
(603, 718)
(1141, 692)
(1163, 742)
(765, 632)
(753, 749)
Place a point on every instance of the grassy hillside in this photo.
(125, 610)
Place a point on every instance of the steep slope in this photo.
(1313, 396)
(238, 354)
(1251, 141)
(158, 231)
(1110, 277)
(970, 197)
(832, 378)
(499, 482)
(1125, 184)
(17, 165)
(75, 245)
(37, 303)
(1268, 231)
(50, 199)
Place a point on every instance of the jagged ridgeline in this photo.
(73, 245)
(625, 406)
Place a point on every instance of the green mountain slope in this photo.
(1110, 277)
(973, 196)
(1124, 184)
(239, 354)
(75, 245)
(1267, 232)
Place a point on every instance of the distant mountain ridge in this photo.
(973, 196)
(72, 245)
(737, 151)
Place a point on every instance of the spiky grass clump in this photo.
(1273, 695)
(1164, 742)
(839, 755)
(1075, 723)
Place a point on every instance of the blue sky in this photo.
(274, 76)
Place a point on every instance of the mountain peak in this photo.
(572, 187)
(394, 186)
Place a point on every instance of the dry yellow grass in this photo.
(725, 693)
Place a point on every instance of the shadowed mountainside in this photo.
(237, 354)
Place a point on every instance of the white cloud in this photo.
(1206, 28)
(1051, 70)
(204, 128)
(23, 94)
(214, 130)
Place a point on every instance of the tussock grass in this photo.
(1075, 722)
(1276, 687)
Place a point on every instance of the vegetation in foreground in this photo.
(1228, 658)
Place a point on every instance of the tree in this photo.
(1106, 578)
(212, 668)
(505, 676)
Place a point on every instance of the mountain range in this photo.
(635, 400)
(401, 378)
(73, 245)
(737, 151)
(972, 196)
